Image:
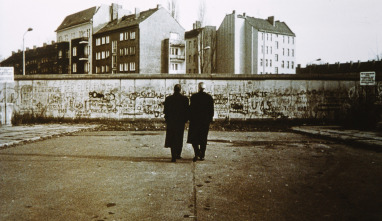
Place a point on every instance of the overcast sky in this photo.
(333, 30)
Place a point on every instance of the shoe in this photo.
(201, 158)
(173, 160)
(195, 159)
(178, 157)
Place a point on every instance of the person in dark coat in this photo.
(201, 115)
(176, 115)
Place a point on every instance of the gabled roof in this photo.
(193, 33)
(127, 21)
(78, 18)
(265, 25)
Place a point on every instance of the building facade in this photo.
(174, 55)
(79, 27)
(248, 45)
(134, 43)
(49, 59)
(201, 49)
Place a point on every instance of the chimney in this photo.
(198, 24)
(137, 12)
(159, 6)
(44, 44)
(233, 12)
(13, 52)
(244, 14)
(271, 19)
(27, 49)
(53, 42)
(34, 46)
(114, 11)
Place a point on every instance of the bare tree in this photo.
(173, 8)
(202, 12)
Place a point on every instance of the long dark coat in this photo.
(201, 114)
(176, 109)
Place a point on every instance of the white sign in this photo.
(367, 78)
(7, 75)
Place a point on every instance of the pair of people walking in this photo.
(178, 111)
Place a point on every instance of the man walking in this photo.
(201, 114)
(176, 109)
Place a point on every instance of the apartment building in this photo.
(78, 28)
(134, 43)
(248, 45)
(174, 55)
(48, 59)
(201, 49)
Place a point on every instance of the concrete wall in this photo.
(142, 96)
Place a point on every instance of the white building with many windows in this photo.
(248, 45)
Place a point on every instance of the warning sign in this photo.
(367, 78)
(6, 75)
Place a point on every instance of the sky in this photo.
(330, 30)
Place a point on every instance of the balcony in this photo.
(84, 40)
(177, 57)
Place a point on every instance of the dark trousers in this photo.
(176, 152)
(199, 150)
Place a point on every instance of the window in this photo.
(292, 52)
(288, 51)
(114, 47)
(282, 64)
(271, 49)
(107, 40)
(276, 70)
(103, 69)
(121, 37)
(74, 51)
(288, 39)
(174, 67)
(270, 63)
(189, 44)
(266, 62)
(283, 51)
(194, 57)
(107, 69)
(126, 51)
(74, 67)
(126, 35)
(120, 67)
(97, 70)
(276, 57)
(103, 55)
(103, 40)
(107, 54)
(189, 70)
(98, 41)
(292, 64)
(132, 50)
(60, 54)
(174, 51)
(267, 49)
(288, 64)
(132, 35)
(121, 52)
(261, 62)
(277, 45)
(292, 40)
(126, 66)
(132, 66)
(283, 39)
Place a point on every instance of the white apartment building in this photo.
(248, 45)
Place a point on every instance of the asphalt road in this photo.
(109, 175)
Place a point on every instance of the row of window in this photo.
(103, 40)
(268, 50)
(269, 37)
(86, 67)
(81, 34)
(126, 51)
(284, 64)
(127, 66)
(102, 55)
(127, 35)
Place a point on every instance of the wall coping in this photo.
(347, 76)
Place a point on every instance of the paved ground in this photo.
(109, 175)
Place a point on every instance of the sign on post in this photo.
(367, 78)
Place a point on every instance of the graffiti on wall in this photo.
(144, 98)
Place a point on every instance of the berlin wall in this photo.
(142, 97)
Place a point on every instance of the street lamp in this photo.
(29, 29)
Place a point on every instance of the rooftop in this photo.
(77, 18)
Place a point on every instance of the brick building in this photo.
(134, 43)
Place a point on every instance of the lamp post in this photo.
(29, 29)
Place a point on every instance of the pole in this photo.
(23, 56)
